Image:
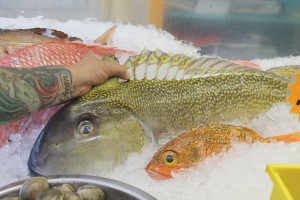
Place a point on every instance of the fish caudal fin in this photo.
(106, 36)
(288, 138)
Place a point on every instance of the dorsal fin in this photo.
(106, 36)
(167, 66)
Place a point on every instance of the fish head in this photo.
(175, 156)
(162, 164)
(86, 139)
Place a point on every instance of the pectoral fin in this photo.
(3, 51)
(133, 134)
(10, 49)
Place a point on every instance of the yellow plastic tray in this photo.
(286, 180)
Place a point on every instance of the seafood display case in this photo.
(200, 36)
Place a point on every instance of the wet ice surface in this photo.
(238, 174)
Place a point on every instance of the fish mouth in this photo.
(158, 172)
(47, 145)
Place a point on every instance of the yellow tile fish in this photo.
(167, 93)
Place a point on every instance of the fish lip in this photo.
(35, 160)
(32, 171)
(155, 172)
(158, 176)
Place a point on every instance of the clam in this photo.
(90, 192)
(50, 194)
(32, 187)
(64, 188)
(71, 196)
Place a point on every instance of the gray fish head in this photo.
(86, 139)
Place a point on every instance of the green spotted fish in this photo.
(167, 93)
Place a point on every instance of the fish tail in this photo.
(287, 138)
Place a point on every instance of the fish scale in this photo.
(210, 90)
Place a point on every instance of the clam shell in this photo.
(11, 198)
(50, 194)
(64, 188)
(32, 187)
(71, 196)
(90, 192)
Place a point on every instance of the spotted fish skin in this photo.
(168, 93)
(198, 97)
(195, 145)
(190, 102)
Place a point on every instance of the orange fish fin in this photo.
(246, 63)
(6, 50)
(288, 138)
(198, 152)
(106, 36)
(3, 51)
(253, 133)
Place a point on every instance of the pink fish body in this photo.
(54, 53)
(41, 54)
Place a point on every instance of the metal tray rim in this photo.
(100, 181)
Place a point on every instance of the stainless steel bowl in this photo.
(113, 189)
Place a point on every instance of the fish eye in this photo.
(170, 158)
(86, 127)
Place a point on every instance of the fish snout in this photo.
(158, 171)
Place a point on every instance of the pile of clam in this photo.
(38, 188)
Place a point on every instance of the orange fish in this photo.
(195, 145)
(58, 52)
